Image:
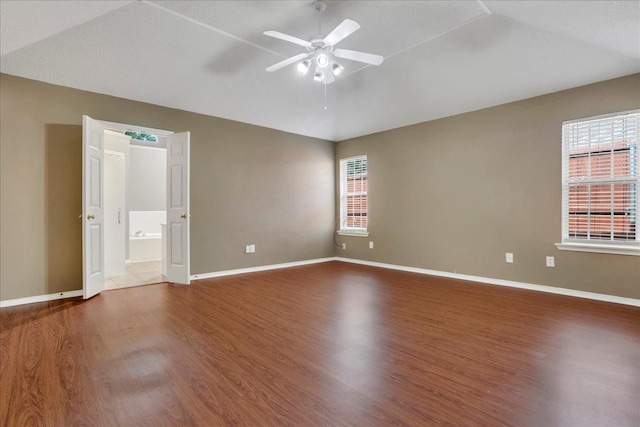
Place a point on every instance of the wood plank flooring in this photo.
(331, 344)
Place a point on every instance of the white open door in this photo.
(92, 207)
(178, 260)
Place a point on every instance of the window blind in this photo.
(600, 179)
(354, 209)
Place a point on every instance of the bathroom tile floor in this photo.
(138, 273)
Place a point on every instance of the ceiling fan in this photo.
(321, 52)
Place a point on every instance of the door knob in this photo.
(183, 216)
(90, 217)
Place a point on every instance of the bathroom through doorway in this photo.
(174, 246)
(135, 179)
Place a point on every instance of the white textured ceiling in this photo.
(441, 58)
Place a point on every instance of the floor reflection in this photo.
(357, 328)
(591, 376)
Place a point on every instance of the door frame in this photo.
(121, 128)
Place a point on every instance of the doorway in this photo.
(135, 204)
(135, 213)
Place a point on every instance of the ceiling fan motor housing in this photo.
(317, 42)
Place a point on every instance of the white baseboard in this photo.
(40, 298)
(500, 282)
(478, 279)
(260, 268)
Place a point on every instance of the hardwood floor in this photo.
(331, 344)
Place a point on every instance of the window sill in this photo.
(599, 248)
(354, 233)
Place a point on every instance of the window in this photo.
(141, 136)
(600, 182)
(353, 196)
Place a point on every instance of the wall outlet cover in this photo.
(370, 245)
(508, 257)
(551, 261)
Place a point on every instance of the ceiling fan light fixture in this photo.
(303, 66)
(318, 75)
(336, 68)
(322, 60)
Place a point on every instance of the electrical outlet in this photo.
(509, 257)
(370, 245)
(344, 246)
(551, 261)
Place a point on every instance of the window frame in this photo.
(599, 245)
(351, 231)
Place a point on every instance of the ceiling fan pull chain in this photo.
(325, 96)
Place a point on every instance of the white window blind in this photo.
(600, 180)
(353, 194)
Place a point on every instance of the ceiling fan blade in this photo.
(345, 29)
(354, 55)
(287, 38)
(286, 62)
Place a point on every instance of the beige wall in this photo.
(455, 194)
(63, 204)
(450, 195)
(248, 185)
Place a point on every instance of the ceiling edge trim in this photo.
(486, 12)
(209, 27)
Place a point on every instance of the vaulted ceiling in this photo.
(441, 57)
